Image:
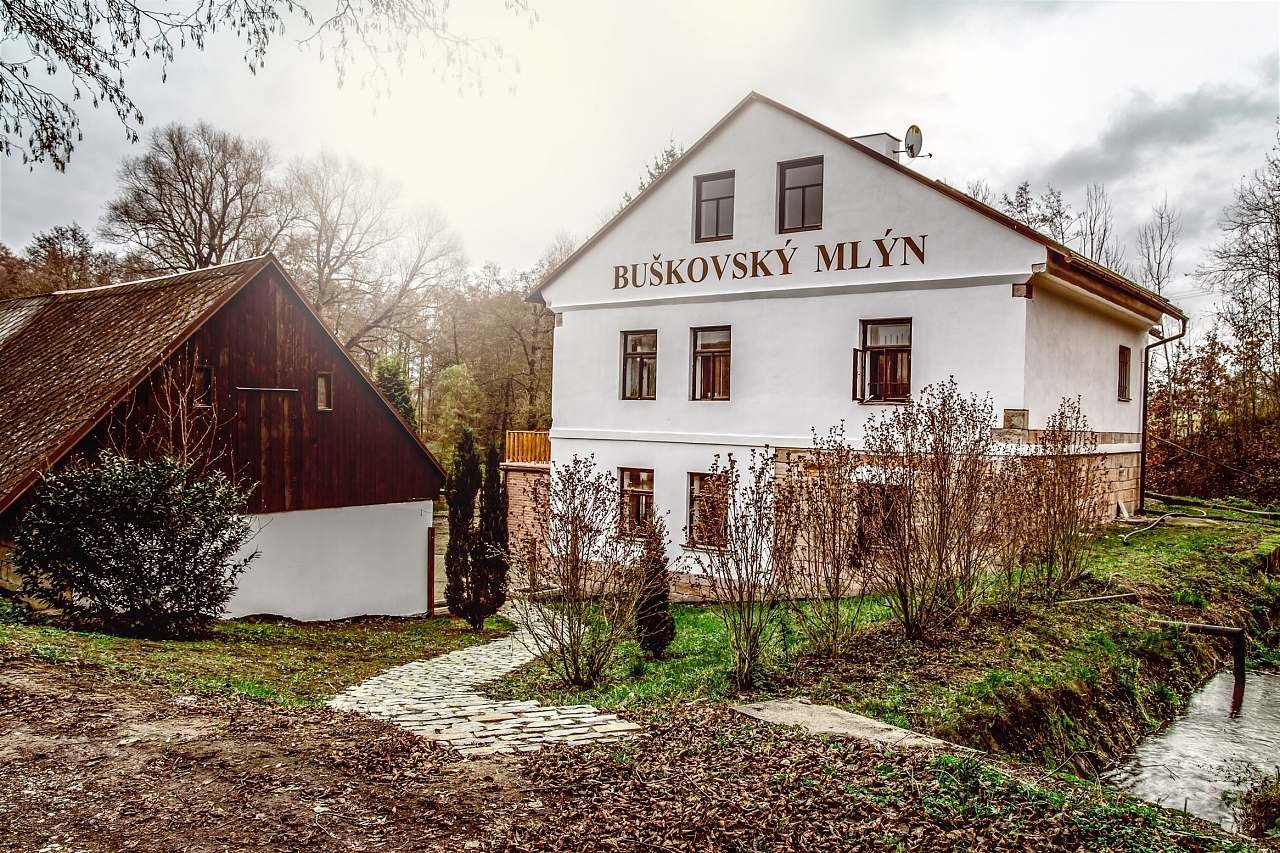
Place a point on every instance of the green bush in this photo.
(149, 548)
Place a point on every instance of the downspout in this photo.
(1142, 454)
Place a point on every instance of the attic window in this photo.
(800, 195)
(713, 216)
(202, 387)
(324, 391)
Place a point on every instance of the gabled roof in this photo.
(1105, 281)
(67, 359)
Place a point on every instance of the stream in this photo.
(1210, 750)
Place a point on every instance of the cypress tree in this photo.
(464, 483)
(489, 559)
(655, 626)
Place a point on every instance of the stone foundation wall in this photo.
(1120, 482)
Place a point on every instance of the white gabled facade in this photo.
(891, 246)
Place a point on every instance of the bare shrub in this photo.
(1063, 499)
(749, 573)
(932, 500)
(830, 565)
(578, 565)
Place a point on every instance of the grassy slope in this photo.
(1077, 683)
(281, 661)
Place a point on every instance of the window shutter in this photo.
(859, 381)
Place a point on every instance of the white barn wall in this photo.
(337, 563)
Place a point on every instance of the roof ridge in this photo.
(155, 279)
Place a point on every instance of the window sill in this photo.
(883, 402)
(637, 399)
(800, 230)
(711, 549)
(712, 239)
(1124, 399)
(709, 400)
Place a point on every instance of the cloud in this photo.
(1145, 128)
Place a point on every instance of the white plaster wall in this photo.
(336, 563)
(672, 462)
(792, 363)
(862, 197)
(1073, 345)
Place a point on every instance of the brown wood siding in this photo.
(265, 338)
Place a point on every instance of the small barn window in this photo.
(202, 386)
(324, 391)
(1122, 387)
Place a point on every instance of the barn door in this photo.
(271, 440)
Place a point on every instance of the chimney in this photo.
(881, 143)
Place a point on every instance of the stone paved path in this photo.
(438, 699)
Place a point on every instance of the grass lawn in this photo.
(278, 660)
(1052, 682)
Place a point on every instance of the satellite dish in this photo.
(914, 141)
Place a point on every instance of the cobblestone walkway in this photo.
(437, 698)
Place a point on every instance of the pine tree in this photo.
(489, 562)
(655, 627)
(464, 483)
(392, 379)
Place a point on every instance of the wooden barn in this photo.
(230, 366)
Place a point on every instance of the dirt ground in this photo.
(97, 765)
(94, 763)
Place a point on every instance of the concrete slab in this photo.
(827, 719)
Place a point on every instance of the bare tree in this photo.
(174, 415)
(980, 190)
(1049, 212)
(1095, 230)
(1064, 501)
(750, 573)
(1157, 249)
(85, 48)
(932, 501)
(819, 492)
(1244, 266)
(377, 272)
(198, 197)
(577, 563)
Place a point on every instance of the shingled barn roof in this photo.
(67, 358)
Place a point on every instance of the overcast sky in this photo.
(1149, 98)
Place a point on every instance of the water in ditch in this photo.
(1220, 745)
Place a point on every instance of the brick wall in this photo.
(518, 478)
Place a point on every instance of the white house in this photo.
(782, 276)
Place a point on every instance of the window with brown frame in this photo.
(882, 365)
(800, 194)
(1122, 388)
(324, 391)
(711, 363)
(202, 386)
(713, 207)
(640, 365)
(637, 497)
(707, 522)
